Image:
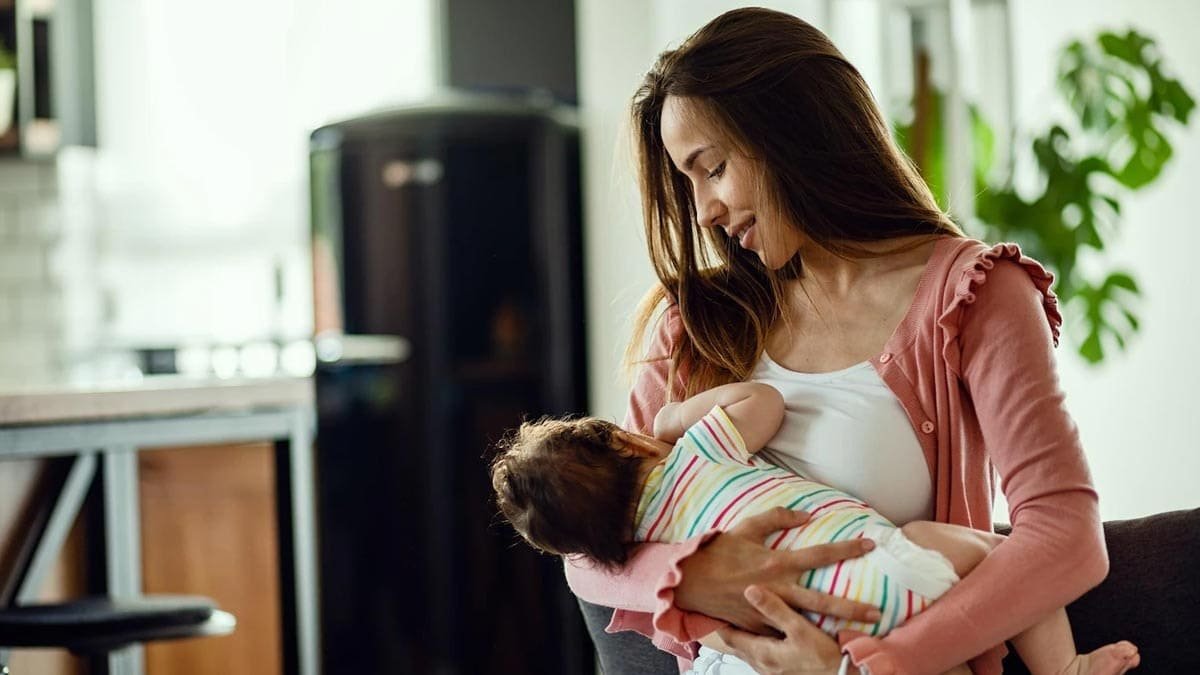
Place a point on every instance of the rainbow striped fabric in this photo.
(710, 481)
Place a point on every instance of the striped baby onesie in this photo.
(710, 481)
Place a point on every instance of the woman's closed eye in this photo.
(717, 172)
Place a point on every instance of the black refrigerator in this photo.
(449, 306)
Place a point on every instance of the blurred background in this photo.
(429, 207)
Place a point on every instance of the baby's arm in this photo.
(755, 409)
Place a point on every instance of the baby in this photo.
(585, 486)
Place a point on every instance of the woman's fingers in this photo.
(716, 576)
(762, 525)
(804, 648)
(778, 614)
(759, 527)
(812, 557)
(744, 644)
(806, 599)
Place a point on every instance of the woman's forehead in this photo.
(685, 129)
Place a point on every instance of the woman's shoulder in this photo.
(966, 267)
(960, 254)
(667, 331)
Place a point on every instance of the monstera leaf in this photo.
(1119, 91)
(1124, 104)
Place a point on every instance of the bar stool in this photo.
(98, 625)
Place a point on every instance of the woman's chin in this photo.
(769, 261)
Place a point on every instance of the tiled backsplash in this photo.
(31, 291)
(80, 275)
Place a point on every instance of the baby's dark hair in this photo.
(567, 487)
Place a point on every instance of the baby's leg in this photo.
(1048, 648)
(963, 546)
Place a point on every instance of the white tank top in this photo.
(847, 429)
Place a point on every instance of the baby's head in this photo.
(570, 486)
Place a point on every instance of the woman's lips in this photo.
(744, 233)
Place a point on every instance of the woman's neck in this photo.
(836, 276)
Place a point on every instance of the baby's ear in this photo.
(637, 445)
(621, 441)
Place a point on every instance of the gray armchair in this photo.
(1151, 596)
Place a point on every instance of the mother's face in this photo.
(727, 187)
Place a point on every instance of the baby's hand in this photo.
(666, 423)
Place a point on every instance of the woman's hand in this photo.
(715, 578)
(802, 650)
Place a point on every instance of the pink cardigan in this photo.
(972, 364)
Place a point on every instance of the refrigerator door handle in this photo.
(341, 349)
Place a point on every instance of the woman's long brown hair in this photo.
(779, 93)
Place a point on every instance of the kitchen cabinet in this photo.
(47, 82)
(208, 528)
(201, 487)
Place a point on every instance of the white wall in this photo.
(1137, 412)
(615, 46)
(1139, 424)
(203, 116)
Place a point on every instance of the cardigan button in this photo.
(885, 357)
(927, 427)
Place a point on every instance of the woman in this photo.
(796, 246)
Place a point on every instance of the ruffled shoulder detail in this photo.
(972, 267)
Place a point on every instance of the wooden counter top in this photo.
(156, 395)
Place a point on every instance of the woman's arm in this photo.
(1056, 550)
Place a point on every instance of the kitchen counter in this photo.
(103, 425)
(151, 396)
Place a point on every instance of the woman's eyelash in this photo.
(717, 171)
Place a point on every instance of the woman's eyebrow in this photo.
(691, 158)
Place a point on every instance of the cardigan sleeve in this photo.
(1004, 320)
(649, 393)
(643, 592)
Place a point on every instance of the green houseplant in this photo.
(8, 61)
(8, 86)
(1115, 141)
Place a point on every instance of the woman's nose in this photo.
(709, 211)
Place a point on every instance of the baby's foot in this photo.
(1113, 659)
